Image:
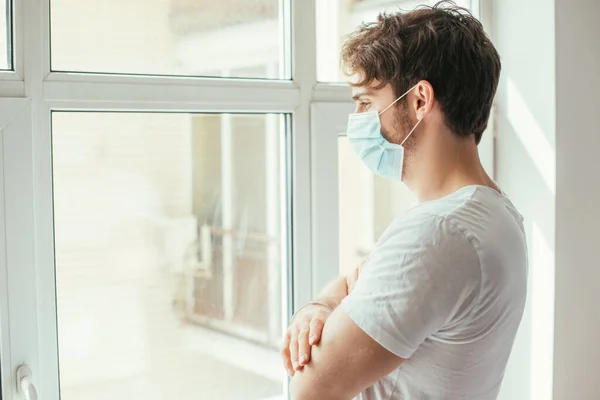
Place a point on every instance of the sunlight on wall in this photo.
(531, 135)
(542, 315)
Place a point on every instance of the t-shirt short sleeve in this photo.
(423, 274)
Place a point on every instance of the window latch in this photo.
(25, 388)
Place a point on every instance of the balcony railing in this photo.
(202, 294)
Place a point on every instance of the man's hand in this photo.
(306, 327)
(303, 333)
(346, 362)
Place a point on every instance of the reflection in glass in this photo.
(168, 255)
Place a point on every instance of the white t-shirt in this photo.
(445, 289)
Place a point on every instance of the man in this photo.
(433, 312)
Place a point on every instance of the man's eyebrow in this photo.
(361, 94)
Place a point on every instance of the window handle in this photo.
(25, 388)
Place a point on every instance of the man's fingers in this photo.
(316, 328)
(298, 340)
(303, 347)
(285, 354)
(286, 340)
(294, 348)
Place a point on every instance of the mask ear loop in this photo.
(398, 99)
(411, 132)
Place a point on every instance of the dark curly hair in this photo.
(443, 44)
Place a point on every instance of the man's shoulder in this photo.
(458, 220)
(469, 209)
(441, 209)
(423, 229)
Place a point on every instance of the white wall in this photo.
(577, 354)
(547, 126)
(523, 32)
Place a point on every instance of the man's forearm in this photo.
(334, 292)
(307, 323)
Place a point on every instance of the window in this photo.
(168, 254)
(367, 205)
(158, 226)
(175, 37)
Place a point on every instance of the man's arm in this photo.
(306, 327)
(346, 362)
(427, 274)
(334, 292)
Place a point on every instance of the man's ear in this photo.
(423, 99)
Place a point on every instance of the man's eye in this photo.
(365, 104)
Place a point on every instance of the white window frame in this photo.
(327, 122)
(12, 82)
(17, 255)
(29, 94)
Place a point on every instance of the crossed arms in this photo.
(328, 355)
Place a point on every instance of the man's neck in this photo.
(445, 170)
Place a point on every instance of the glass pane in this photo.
(367, 205)
(236, 38)
(338, 18)
(169, 255)
(5, 34)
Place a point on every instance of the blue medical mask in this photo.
(380, 156)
